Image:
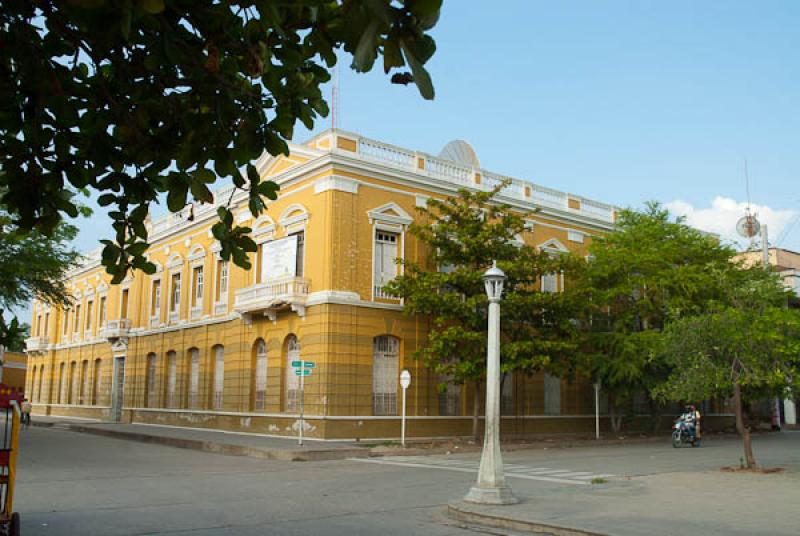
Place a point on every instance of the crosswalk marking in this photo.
(545, 474)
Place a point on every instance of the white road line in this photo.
(468, 470)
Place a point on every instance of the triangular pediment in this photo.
(553, 245)
(390, 213)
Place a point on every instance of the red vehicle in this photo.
(10, 400)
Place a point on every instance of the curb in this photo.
(461, 511)
(292, 455)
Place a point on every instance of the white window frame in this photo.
(151, 371)
(157, 287)
(382, 220)
(377, 290)
(193, 395)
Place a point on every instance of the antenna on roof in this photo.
(748, 226)
(335, 93)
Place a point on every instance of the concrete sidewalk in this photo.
(232, 444)
(285, 448)
(710, 503)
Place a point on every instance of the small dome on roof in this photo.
(460, 152)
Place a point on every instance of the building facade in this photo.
(12, 369)
(203, 343)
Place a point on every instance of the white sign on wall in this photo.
(279, 258)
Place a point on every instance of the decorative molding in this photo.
(336, 183)
(197, 253)
(384, 214)
(553, 244)
(287, 221)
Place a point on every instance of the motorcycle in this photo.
(683, 434)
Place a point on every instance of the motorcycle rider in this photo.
(692, 419)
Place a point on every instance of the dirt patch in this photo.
(756, 470)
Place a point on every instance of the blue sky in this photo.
(617, 101)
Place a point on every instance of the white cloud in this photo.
(724, 212)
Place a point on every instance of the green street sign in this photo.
(298, 372)
(300, 364)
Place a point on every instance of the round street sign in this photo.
(405, 379)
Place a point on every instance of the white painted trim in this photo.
(336, 183)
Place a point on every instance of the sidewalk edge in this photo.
(216, 447)
(460, 511)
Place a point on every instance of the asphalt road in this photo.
(71, 484)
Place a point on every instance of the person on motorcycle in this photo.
(692, 419)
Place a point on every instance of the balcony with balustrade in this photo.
(116, 329)
(460, 175)
(37, 344)
(285, 293)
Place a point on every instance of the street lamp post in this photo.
(491, 487)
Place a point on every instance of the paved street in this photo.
(72, 483)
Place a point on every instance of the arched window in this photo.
(219, 375)
(96, 376)
(385, 365)
(260, 375)
(73, 383)
(193, 385)
(62, 383)
(552, 394)
(39, 385)
(172, 375)
(292, 383)
(507, 394)
(33, 384)
(85, 384)
(151, 395)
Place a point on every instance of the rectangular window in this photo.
(77, 323)
(575, 236)
(550, 283)
(88, 325)
(123, 309)
(66, 321)
(101, 313)
(46, 323)
(384, 266)
(222, 281)
(38, 325)
(197, 276)
(300, 253)
(176, 293)
(155, 298)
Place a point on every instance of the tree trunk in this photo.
(655, 414)
(476, 410)
(744, 431)
(616, 420)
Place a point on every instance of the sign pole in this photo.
(302, 399)
(597, 410)
(405, 381)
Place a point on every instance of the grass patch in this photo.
(599, 481)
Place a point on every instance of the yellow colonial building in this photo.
(203, 343)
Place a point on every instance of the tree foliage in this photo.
(747, 350)
(462, 236)
(137, 98)
(33, 266)
(647, 272)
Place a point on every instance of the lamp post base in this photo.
(498, 495)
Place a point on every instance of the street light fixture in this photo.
(491, 487)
